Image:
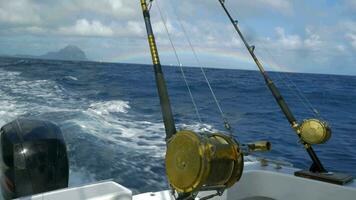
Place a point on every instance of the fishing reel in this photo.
(200, 162)
(258, 146)
(314, 131)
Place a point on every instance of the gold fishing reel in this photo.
(195, 162)
(314, 131)
(259, 146)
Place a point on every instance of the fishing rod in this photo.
(166, 109)
(312, 131)
(191, 167)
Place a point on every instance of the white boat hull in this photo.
(259, 182)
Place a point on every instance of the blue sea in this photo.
(111, 120)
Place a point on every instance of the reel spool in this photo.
(196, 162)
(314, 131)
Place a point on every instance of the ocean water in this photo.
(111, 121)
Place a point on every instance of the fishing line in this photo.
(179, 63)
(226, 121)
(303, 99)
(268, 62)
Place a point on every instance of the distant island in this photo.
(70, 52)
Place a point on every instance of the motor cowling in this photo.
(33, 158)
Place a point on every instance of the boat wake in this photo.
(105, 140)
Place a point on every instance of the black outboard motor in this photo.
(33, 158)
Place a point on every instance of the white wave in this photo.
(73, 78)
(197, 127)
(106, 120)
(131, 132)
(17, 86)
(109, 107)
(79, 177)
(10, 74)
(36, 88)
(20, 96)
(134, 134)
(9, 110)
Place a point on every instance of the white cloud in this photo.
(341, 48)
(313, 39)
(349, 28)
(288, 41)
(283, 6)
(159, 29)
(19, 12)
(349, 25)
(113, 8)
(104, 18)
(135, 27)
(119, 16)
(326, 36)
(84, 27)
(352, 38)
(36, 30)
(351, 4)
(212, 8)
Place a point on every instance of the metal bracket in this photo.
(218, 193)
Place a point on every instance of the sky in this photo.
(316, 36)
